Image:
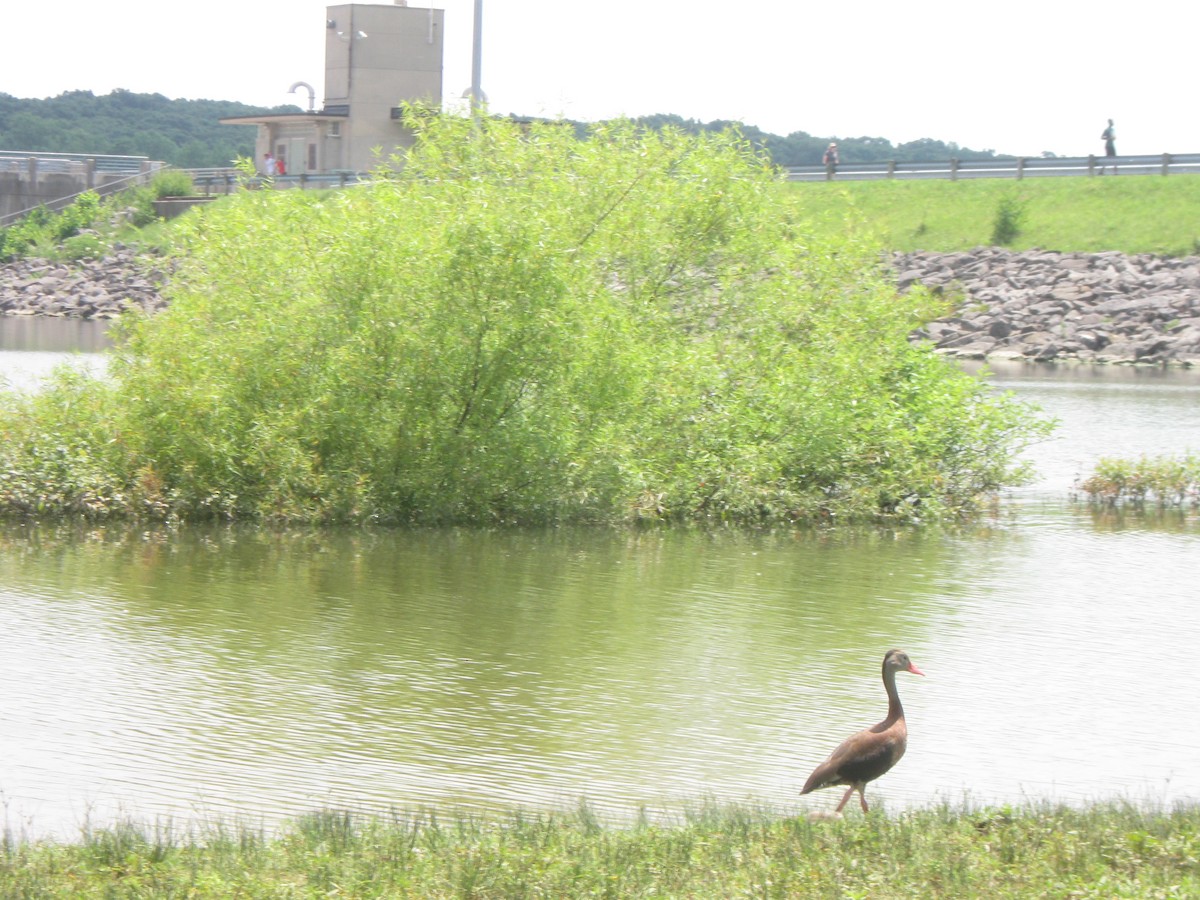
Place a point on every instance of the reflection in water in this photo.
(249, 675)
(31, 347)
(47, 334)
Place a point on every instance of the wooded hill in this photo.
(184, 133)
(188, 133)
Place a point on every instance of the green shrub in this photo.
(172, 183)
(521, 326)
(45, 229)
(83, 246)
(1010, 219)
(83, 213)
(51, 233)
(16, 239)
(136, 206)
(69, 460)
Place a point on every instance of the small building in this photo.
(377, 57)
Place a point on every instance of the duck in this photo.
(872, 752)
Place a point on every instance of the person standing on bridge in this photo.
(1109, 136)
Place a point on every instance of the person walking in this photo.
(1109, 136)
(831, 160)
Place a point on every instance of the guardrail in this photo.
(226, 180)
(49, 162)
(1027, 167)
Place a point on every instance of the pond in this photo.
(239, 675)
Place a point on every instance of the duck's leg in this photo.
(862, 797)
(845, 798)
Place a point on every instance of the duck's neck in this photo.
(895, 710)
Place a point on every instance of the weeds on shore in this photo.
(1111, 851)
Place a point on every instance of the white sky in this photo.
(1017, 79)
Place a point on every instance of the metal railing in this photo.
(226, 180)
(1026, 167)
(16, 160)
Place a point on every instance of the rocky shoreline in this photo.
(87, 289)
(1108, 308)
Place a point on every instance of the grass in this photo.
(1134, 214)
(1111, 851)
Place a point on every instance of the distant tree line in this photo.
(802, 149)
(184, 133)
(188, 133)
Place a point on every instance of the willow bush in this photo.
(521, 326)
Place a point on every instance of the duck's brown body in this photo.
(865, 756)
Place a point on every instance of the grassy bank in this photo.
(1134, 214)
(1112, 851)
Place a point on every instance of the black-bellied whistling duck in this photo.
(865, 756)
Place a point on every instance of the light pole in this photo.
(476, 89)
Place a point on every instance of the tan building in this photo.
(377, 57)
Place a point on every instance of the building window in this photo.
(312, 157)
(335, 129)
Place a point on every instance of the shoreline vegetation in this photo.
(1107, 850)
(1161, 482)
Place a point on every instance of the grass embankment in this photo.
(1132, 214)
(728, 852)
